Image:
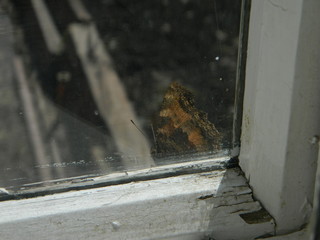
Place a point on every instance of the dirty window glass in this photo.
(97, 87)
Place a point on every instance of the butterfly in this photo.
(182, 128)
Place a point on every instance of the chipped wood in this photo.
(167, 208)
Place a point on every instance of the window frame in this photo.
(279, 178)
(281, 108)
(192, 206)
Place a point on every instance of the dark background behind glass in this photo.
(152, 43)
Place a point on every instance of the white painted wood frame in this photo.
(207, 205)
(281, 114)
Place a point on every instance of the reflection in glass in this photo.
(114, 85)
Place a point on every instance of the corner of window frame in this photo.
(281, 109)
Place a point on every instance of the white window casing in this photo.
(216, 204)
(281, 114)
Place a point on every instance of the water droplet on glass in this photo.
(113, 44)
(116, 225)
(63, 76)
(189, 14)
(166, 28)
(314, 139)
(3, 192)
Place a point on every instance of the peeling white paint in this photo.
(198, 205)
(282, 108)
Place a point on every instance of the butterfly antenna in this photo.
(138, 128)
(154, 136)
